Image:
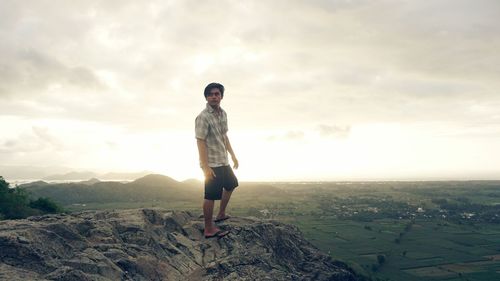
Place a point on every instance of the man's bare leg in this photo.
(208, 210)
(226, 195)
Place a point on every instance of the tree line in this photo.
(16, 203)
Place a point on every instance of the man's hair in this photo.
(211, 86)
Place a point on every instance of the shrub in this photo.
(4, 186)
(45, 205)
(380, 259)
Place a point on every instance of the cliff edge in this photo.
(158, 244)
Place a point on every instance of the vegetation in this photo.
(15, 203)
(45, 205)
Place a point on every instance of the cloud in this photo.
(39, 139)
(294, 135)
(95, 60)
(44, 135)
(140, 67)
(335, 131)
(28, 72)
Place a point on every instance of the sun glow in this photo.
(368, 152)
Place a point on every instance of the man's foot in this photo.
(218, 234)
(218, 219)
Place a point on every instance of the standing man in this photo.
(213, 145)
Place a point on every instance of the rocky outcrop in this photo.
(157, 244)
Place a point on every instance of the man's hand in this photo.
(236, 164)
(209, 173)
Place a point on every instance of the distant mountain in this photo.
(90, 181)
(123, 176)
(193, 182)
(55, 173)
(35, 183)
(152, 187)
(155, 180)
(72, 176)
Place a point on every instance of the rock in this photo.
(158, 244)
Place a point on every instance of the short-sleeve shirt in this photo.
(212, 127)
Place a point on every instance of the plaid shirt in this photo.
(212, 128)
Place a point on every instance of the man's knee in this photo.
(213, 196)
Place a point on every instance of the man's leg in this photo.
(226, 195)
(208, 210)
(230, 182)
(213, 191)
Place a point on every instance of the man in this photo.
(213, 145)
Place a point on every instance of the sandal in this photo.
(218, 234)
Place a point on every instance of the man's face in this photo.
(214, 97)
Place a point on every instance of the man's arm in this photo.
(230, 150)
(202, 151)
(201, 131)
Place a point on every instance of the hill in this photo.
(71, 176)
(149, 188)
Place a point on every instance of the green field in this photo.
(424, 252)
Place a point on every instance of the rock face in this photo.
(157, 244)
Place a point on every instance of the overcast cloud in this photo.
(298, 68)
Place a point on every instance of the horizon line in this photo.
(281, 180)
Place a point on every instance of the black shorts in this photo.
(225, 178)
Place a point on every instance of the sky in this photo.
(315, 90)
